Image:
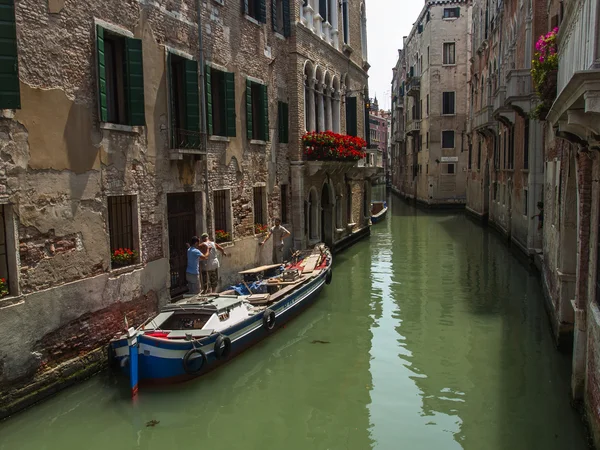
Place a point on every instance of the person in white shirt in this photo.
(279, 234)
(210, 267)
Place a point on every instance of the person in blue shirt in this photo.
(192, 272)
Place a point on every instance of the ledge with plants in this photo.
(3, 287)
(259, 228)
(122, 257)
(222, 236)
(544, 71)
(329, 146)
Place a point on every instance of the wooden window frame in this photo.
(226, 215)
(446, 97)
(124, 232)
(446, 58)
(9, 229)
(259, 205)
(453, 139)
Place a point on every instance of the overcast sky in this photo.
(387, 22)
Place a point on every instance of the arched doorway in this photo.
(326, 215)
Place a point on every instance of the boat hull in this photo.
(160, 361)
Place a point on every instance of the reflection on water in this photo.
(438, 340)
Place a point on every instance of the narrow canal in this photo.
(437, 339)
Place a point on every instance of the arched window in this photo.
(309, 99)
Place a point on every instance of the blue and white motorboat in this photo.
(197, 334)
(378, 211)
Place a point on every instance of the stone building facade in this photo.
(505, 165)
(104, 147)
(435, 61)
(398, 164)
(378, 129)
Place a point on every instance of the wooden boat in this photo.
(197, 334)
(378, 211)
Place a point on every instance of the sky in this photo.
(387, 22)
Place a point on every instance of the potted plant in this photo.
(330, 146)
(259, 228)
(544, 70)
(3, 287)
(123, 257)
(222, 236)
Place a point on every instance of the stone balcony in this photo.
(413, 86)
(576, 110)
(414, 126)
(501, 112)
(484, 118)
(519, 91)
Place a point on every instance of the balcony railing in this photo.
(578, 36)
(413, 126)
(413, 86)
(500, 99)
(519, 90)
(483, 118)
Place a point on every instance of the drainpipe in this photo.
(203, 130)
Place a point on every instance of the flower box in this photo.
(260, 228)
(329, 146)
(222, 236)
(122, 257)
(3, 287)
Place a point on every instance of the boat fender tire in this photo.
(193, 353)
(222, 346)
(269, 319)
(328, 277)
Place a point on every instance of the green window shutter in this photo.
(286, 126)
(274, 14)
(287, 27)
(230, 103)
(458, 11)
(102, 104)
(245, 7)
(209, 105)
(135, 82)
(265, 108)
(192, 104)
(262, 12)
(249, 109)
(10, 96)
(351, 116)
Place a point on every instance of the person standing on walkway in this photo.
(210, 267)
(192, 271)
(279, 234)
(540, 216)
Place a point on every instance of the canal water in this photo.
(437, 339)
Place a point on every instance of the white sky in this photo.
(387, 22)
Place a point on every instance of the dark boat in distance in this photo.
(378, 211)
(197, 334)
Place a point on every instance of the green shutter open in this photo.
(262, 13)
(102, 104)
(249, 109)
(10, 95)
(135, 82)
(209, 105)
(287, 27)
(171, 101)
(192, 104)
(280, 121)
(351, 116)
(245, 7)
(283, 123)
(274, 15)
(458, 11)
(230, 103)
(265, 109)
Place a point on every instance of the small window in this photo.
(448, 104)
(120, 79)
(122, 225)
(222, 213)
(449, 53)
(257, 111)
(479, 155)
(427, 139)
(220, 102)
(345, 21)
(470, 160)
(448, 169)
(448, 139)
(284, 203)
(10, 95)
(257, 9)
(427, 104)
(525, 202)
(451, 13)
(260, 206)
(283, 122)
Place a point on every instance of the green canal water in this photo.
(437, 340)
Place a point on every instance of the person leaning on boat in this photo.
(279, 234)
(210, 267)
(192, 271)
